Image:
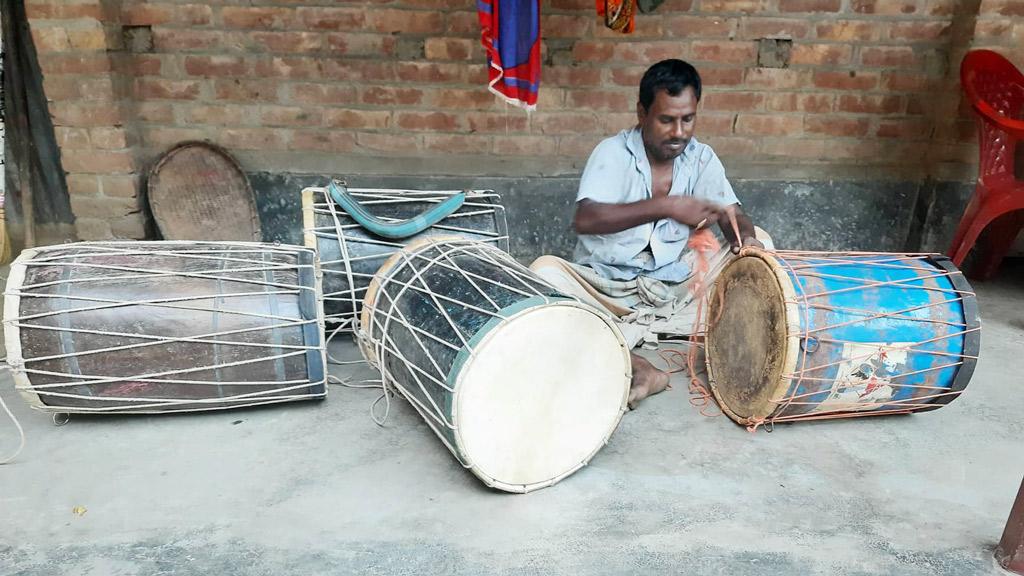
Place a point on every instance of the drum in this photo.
(523, 384)
(350, 254)
(808, 335)
(164, 326)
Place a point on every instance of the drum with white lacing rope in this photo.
(523, 384)
(164, 326)
(350, 253)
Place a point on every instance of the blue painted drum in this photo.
(522, 384)
(812, 335)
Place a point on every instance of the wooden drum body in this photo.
(164, 326)
(807, 335)
(522, 384)
(350, 254)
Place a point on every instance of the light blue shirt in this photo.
(618, 173)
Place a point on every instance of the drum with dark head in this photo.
(164, 326)
(523, 384)
(811, 335)
(350, 254)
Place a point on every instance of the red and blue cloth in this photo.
(511, 37)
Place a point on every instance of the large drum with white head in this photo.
(523, 384)
(164, 326)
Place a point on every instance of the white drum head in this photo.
(541, 395)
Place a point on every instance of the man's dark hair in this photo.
(670, 75)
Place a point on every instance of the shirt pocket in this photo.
(672, 231)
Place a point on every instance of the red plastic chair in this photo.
(995, 88)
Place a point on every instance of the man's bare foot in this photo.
(647, 380)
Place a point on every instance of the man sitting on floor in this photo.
(642, 194)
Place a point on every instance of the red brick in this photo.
(463, 23)
(175, 39)
(74, 64)
(351, 44)
(993, 29)
(526, 146)
(458, 143)
(724, 52)
(390, 21)
(860, 81)
(401, 144)
(887, 7)
(267, 17)
(832, 125)
(155, 14)
(356, 119)
(821, 54)
(290, 116)
(251, 138)
(630, 77)
(810, 5)
(799, 102)
(581, 122)
(903, 82)
(119, 186)
(941, 7)
(569, 26)
(715, 123)
(352, 70)
(577, 146)
(349, 19)
(80, 114)
(88, 39)
(431, 72)
(1009, 8)
(904, 128)
(59, 87)
(164, 137)
(732, 146)
(157, 112)
(849, 30)
(730, 6)
(68, 137)
(925, 31)
(888, 56)
(614, 122)
(307, 93)
(83, 185)
(161, 88)
(644, 53)
(97, 161)
(450, 48)
(390, 95)
(756, 27)
(499, 122)
(719, 77)
(63, 10)
(776, 78)
(869, 104)
(588, 51)
(50, 39)
(289, 67)
(571, 76)
(96, 89)
(600, 100)
(247, 90)
(107, 138)
(323, 141)
(734, 101)
(218, 115)
(762, 125)
(144, 65)
(678, 26)
(287, 42)
(571, 4)
(216, 66)
(473, 99)
(433, 121)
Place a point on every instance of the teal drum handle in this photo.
(394, 230)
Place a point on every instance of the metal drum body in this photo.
(350, 254)
(806, 335)
(523, 384)
(164, 326)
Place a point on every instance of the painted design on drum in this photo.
(866, 376)
(350, 255)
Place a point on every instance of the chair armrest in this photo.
(1014, 127)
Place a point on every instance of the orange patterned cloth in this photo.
(618, 15)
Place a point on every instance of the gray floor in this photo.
(318, 488)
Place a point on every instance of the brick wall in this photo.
(398, 87)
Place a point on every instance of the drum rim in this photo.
(488, 335)
(792, 346)
(15, 358)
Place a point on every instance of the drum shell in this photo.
(336, 235)
(136, 345)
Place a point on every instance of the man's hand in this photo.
(691, 211)
(747, 241)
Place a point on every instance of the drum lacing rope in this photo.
(21, 431)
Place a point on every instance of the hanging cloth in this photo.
(511, 37)
(618, 14)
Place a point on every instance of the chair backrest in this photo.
(995, 89)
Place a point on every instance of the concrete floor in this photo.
(318, 488)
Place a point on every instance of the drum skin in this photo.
(803, 335)
(350, 254)
(521, 383)
(164, 326)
